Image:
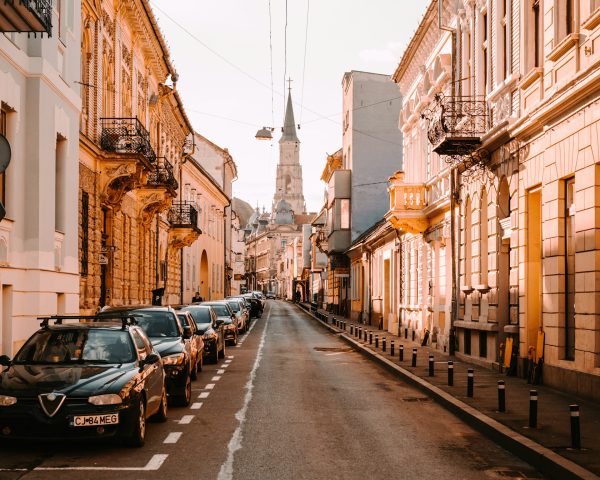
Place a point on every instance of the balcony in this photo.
(183, 218)
(407, 204)
(127, 136)
(162, 175)
(26, 16)
(456, 125)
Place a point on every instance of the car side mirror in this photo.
(5, 360)
(152, 359)
(187, 332)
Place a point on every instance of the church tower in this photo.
(288, 185)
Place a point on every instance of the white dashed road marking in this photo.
(186, 419)
(154, 464)
(196, 406)
(220, 372)
(204, 395)
(215, 379)
(173, 437)
(230, 357)
(209, 386)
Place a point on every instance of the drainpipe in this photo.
(453, 193)
(370, 297)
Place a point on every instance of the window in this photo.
(84, 232)
(484, 48)
(467, 342)
(569, 269)
(345, 214)
(60, 185)
(537, 33)
(3, 174)
(483, 344)
(467, 245)
(483, 238)
(506, 29)
(564, 23)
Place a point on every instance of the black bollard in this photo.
(356, 330)
(406, 333)
(383, 344)
(533, 404)
(575, 428)
(501, 396)
(360, 333)
(413, 335)
(392, 348)
(345, 325)
(414, 358)
(351, 329)
(401, 352)
(470, 379)
(431, 366)
(450, 373)
(376, 341)
(370, 338)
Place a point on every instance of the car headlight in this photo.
(107, 399)
(176, 359)
(6, 401)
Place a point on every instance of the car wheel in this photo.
(194, 372)
(138, 436)
(214, 355)
(161, 415)
(185, 399)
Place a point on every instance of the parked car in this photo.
(256, 308)
(211, 329)
(225, 314)
(270, 295)
(166, 334)
(238, 307)
(82, 381)
(247, 305)
(258, 294)
(194, 337)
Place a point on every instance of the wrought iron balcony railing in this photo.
(162, 175)
(26, 16)
(456, 124)
(128, 136)
(183, 215)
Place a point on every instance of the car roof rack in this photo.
(125, 319)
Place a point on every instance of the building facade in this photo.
(134, 138)
(39, 117)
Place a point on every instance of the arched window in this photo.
(468, 239)
(483, 238)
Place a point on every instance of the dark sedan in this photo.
(225, 314)
(192, 336)
(211, 330)
(82, 380)
(168, 338)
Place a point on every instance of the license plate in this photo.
(95, 420)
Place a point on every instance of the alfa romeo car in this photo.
(82, 380)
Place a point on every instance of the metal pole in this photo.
(414, 357)
(376, 341)
(575, 427)
(470, 380)
(370, 338)
(533, 404)
(392, 348)
(383, 346)
(431, 366)
(450, 373)
(401, 352)
(501, 396)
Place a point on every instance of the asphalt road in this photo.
(291, 401)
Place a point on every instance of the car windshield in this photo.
(77, 346)
(157, 323)
(201, 316)
(221, 309)
(182, 320)
(235, 306)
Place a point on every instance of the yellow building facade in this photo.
(134, 135)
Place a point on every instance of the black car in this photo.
(256, 308)
(211, 329)
(231, 322)
(168, 338)
(82, 381)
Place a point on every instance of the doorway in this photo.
(534, 267)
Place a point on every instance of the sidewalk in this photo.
(547, 447)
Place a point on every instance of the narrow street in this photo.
(292, 401)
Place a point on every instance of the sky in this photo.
(222, 53)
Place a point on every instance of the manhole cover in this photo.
(415, 399)
(333, 349)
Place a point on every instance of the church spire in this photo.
(289, 125)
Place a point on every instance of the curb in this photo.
(545, 460)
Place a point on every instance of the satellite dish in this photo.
(4, 153)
